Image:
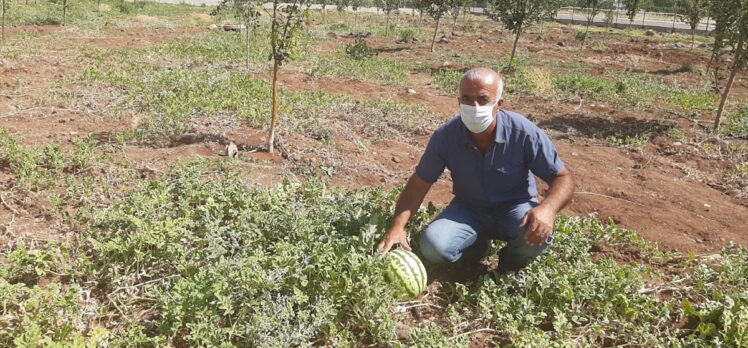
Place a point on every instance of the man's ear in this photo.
(501, 102)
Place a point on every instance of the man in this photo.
(492, 155)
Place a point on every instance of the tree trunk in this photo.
(436, 31)
(735, 67)
(3, 24)
(618, 4)
(64, 12)
(98, 5)
(707, 25)
(572, 15)
(274, 114)
(693, 37)
(387, 25)
(672, 30)
(514, 47)
(644, 16)
(246, 44)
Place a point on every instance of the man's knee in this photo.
(517, 254)
(436, 245)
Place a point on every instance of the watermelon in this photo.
(406, 272)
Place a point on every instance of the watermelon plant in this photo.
(200, 257)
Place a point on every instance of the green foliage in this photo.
(447, 80)
(375, 69)
(198, 258)
(41, 167)
(217, 46)
(287, 25)
(634, 90)
(736, 124)
(632, 8)
(695, 11)
(359, 50)
(408, 35)
(518, 14)
(251, 267)
(83, 12)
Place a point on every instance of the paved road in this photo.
(661, 25)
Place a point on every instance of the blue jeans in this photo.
(462, 231)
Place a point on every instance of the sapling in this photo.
(730, 36)
(518, 14)
(286, 27)
(436, 9)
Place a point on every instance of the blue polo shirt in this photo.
(504, 173)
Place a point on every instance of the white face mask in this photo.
(477, 118)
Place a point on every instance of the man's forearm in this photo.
(560, 191)
(410, 200)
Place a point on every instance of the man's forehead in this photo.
(476, 87)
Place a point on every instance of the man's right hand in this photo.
(392, 237)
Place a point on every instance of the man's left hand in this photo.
(538, 224)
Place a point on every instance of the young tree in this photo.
(730, 34)
(286, 26)
(436, 9)
(695, 10)
(632, 8)
(323, 3)
(341, 5)
(249, 12)
(5, 8)
(517, 14)
(458, 7)
(64, 12)
(387, 6)
(593, 8)
(355, 4)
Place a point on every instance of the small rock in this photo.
(395, 159)
(677, 45)
(454, 33)
(649, 32)
(703, 45)
(715, 258)
(402, 332)
(233, 27)
(677, 143)
(443, 39)
(416, 312)
(707, 206)
(212, 27)
(479, 41)
(231, 150)
(73, 133)
(411, 91)
(575, 154)
(560, 44)
(637, 166)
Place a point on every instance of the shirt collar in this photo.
(500, 136)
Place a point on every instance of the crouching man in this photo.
(493, 155)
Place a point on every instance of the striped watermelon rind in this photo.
(407, 273)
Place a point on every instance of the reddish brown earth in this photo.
(662, 190)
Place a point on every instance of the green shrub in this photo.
(359, 50)
(736, 123)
